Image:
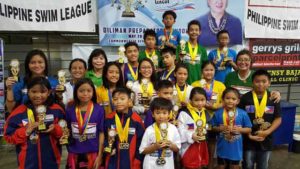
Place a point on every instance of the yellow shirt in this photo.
(103, 99)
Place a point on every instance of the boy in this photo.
(192, 53)
(169, 56)
(122, 143)
(150, 51)
(130, 69)
(160, 139)
(265, 116)
(168, 36)
(223, 57)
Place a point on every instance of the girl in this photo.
(96, 62)
(231, 122)
(182, 90)
(112, 79)
(85, 119)
(35, 65)
(194, 151)
(77, 69)
(144, 87)
(37, 147)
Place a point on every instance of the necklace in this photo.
(216, 29)
(245, 78)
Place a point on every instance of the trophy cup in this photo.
(121, 53)
(145, 99)
(163, 127)
(41, 113)
(61, 80)
(111, 140)
(265, 126)
(127, 12)
(174, 115)
(200, 130)
(163, 41)
(15, 68)
(182, 47)
(155, 61)
(64, 138)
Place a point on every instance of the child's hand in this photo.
(195, 137)
(222, 128)
(263, 133)
(50, 128)
(97, 162)
(31, 127)
(10, 81)
(163, 144)
(256, 138)
(209, 105)
(236, 130)
(275, 95)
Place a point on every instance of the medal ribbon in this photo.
(193, 53)
(82, 123)
(150, 56)
(226, 118)
(30, 116)
(209, 90)
(164, 77)
(181, 96)
(195, 115)
(133, 74)
(260, 108)
(149, 87)
(122, 132)
(219, 54)
(166, 34)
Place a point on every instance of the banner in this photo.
(272, 19)
(280, 57)
(54, 15)
(2, 102)
(121, 21)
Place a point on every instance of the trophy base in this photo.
(183, 52)
(64, 142)
(128, 14)
(42, 127)
(60, 88)
(108, 149)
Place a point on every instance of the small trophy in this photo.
(225, 51)
(127, 12)
(182, 47)
(111, 140)
(41, 113)
(258, 121)
(33, 137)
(200, 130)
(163, 41)
(265, 126)
(174, 115)
(145, 99)
(155, 61)
(163, 127)
(15, 68)
(121, 53)
(129, 84)
(64, 138)
(61, 80)
(202, 82)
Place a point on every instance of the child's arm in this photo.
(274, 126)
(98, 160)
(242, 130)
(151, 148)
(173, 147)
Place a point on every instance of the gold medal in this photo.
(160, 161)
(82, 138)
(124, 146)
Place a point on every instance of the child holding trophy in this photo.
(124, 129)
(85, 120)
(265, 116)
(193, 126)
(230, 122)
(161, 139)
(33, 128)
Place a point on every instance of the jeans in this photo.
(261, 158)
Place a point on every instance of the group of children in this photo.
(170, 121)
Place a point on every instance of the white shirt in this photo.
(68, 94)
(149, 138)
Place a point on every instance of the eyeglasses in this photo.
(243, 60)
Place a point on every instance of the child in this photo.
(194, 151)
(144, 88)
(36, 148)
(182, 90)
(97, 60)
(168, 36)
(150, 51)
(192, 53)
(223, 57)
(159, 143)
(125, 146)
(130, 69)
(266, 117)
(112, 79)
(77, 68)
(164, 89)
(169, 56)
(231, 122)
(85, 119)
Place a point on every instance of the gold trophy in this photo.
(265, 126)
(163, 41)
(129, 84)
(41, 113)
(15, 68)
(229, 136)
(64, 138)
(33, 137)
(145, 99)
(200, 130)
(174, 115)
(111, 140)
(61, 80)
(127, 12)
(121, 53)
(182, 47)
(163, 127)
(155, 61)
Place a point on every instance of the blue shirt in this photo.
(231, 150)
(175, 38)
(222, 70)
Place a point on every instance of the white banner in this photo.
(54, 15)
(272, 19)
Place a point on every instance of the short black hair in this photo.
(149, 32)
(194, 22)
(161, 103)
(79, 60)
(128, 44)
(163, 84)
(221, 32)
(170, 50)
(261, 72)
(231, 89)
(78, 84)
(96, 53)
(244, 52)
(122, 90)
(104, 73)
(181, 65)
(169, 12)
(198, 90)
(208, 62)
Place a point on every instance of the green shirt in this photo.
(232, 80)
(96, 80)
(194, 68)
(159, 64)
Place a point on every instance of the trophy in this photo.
(127, 12)
(174, 115)
(129, 84)
(15, 68)
(200, 130)
(33, 137)
(145, 99)
(136, 4)
(121, 53)
(265, 126)
(61, 80)
(155, 61)
(163, 41)
(64, 138)
(182, 47)
(258, 121)
(163, 127)
(41, 113)
(111, 139)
